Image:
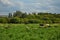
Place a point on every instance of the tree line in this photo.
(21, 17)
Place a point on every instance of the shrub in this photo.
(15, 20)
(3, 20)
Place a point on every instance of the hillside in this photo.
(20, 17)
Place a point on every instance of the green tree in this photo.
(24, 15)
(17, 14)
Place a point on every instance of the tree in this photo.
(34, 13)
(24, 15)
(17, 14)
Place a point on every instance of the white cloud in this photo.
(6, 2)
(33, 5)
(19, 4)
(11, 3)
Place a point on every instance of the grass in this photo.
(33, 32)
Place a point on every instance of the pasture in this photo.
(29, 32)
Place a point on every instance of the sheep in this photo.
(47, 25)
(44, 25)
(41, 25)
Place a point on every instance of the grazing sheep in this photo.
(47, 25)
(44, 25)
(41, 25)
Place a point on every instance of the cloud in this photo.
(10, 6)
(30, 5)
(12, 3)
(6, 2)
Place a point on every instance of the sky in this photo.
(9, 6)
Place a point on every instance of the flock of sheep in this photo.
(27, 27)
(40, 26)
(44, 25)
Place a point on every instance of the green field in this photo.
(29, 32)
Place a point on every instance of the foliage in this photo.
(32, 17)
(15, 20)
(3, 20)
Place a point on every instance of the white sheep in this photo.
(47, 25)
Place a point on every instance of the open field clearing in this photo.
(29, 32)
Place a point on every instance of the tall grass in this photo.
(33, 32)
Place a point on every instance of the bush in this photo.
(3, 20)
(15, 20)
(33, 21)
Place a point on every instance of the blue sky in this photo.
(7, 6)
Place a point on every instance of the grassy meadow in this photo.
(29, 32)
